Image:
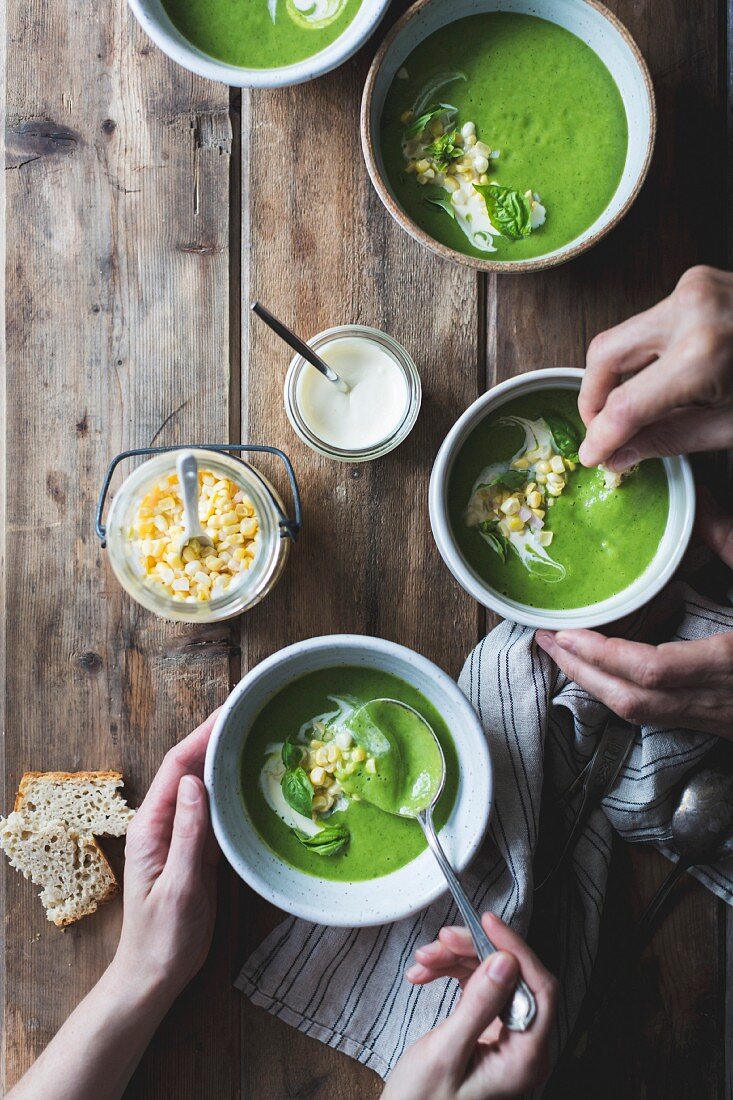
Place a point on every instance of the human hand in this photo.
(679, 396)
(471, 1055)
(170, 875)
(687, 684)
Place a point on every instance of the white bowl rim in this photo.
(279, 898)
(600, 614)
(190, 57)
(537, 263)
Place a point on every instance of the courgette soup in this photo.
(261, 34)
(323, 774)
(539, 527)
(504, 136)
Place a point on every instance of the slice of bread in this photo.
(87, 802)
(74, 875)
(49, 838)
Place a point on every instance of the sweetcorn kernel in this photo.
(197, 572)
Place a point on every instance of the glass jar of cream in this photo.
(379, 408)
(239, 510)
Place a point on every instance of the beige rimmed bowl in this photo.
(590, 21)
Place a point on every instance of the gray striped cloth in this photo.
(347, 988)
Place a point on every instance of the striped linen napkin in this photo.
(347, 987)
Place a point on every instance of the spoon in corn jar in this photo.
(187, 469)
(408, 782)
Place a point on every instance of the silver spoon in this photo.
(188, 481)
(299, 345)
(520, 1011)
(702, 832)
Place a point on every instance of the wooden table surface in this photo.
(145, 208)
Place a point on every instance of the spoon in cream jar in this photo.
(387, 724)
(299, 345)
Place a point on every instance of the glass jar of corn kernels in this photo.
(239, 510)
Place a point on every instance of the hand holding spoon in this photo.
(299, 345)
(371, 721)
(187, 469)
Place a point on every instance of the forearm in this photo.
(94, 1054)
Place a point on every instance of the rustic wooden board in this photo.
(117, 235)
(138, 212)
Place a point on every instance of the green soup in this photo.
(539, 96)
(602, 539)
(378, 841)
(261, 34)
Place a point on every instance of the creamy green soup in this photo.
(561, 551)
(385, 766)
(547, 113)
(261, 34)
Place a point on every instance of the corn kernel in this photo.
(542, 467)
(371, 766)
(359, 755)
(514, 523)
(545, 538)
(534, 499)
(511, 506)
(557, 465)
(521, 464)
(317, 776)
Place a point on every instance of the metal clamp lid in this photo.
(289, 528)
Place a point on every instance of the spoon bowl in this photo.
(369, 724)
(187, 469)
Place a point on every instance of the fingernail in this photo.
(503, 968)
(565, 641)
(622, 460)
(188, 790)
(583, 454)
(413, 972)
(544, 638)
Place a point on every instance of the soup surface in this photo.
(586, 543)
(261, 34)
(326, 826)
(543, 104)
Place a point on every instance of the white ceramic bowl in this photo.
(589, 21)
(155, 21)
(349, 904)
(659, 571)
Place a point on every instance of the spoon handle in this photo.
(297, 344)
(187, 469)
(520, 1010)
(647, 921)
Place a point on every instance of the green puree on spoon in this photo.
(410, 763)
(407, 781)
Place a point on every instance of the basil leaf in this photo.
(435, 110)
(442, 201)
(509, 479)
(297, 790)
(444, 150)
(331, 840)
(292, 754)
(490, 529)
(564, 434)
(508, 210)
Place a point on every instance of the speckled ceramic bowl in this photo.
(590, 21)
(349, 904)
(659, 572)
(155, 21)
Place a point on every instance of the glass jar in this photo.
(275, 534)
(412, 405)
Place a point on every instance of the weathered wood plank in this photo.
(665, 1040)
(117, 274)
(366, 561)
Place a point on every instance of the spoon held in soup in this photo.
(407, 779)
